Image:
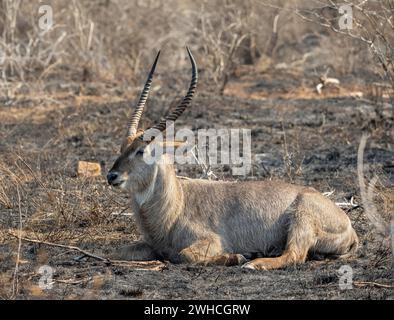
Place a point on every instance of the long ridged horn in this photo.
(185, 101)
(136, 116)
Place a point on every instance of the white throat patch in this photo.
(144, 196)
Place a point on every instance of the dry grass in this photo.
(380, 215)
(60, 207)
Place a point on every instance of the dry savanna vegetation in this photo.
(318, 100)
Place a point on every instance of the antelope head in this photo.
(130, 169)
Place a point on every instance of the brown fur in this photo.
(217, 222)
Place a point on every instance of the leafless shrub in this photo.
(372, 25)
(221, 35)
(111, 40)
(24, 48)
(89, 39)
(230, 34)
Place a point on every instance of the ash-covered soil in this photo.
(297, 136)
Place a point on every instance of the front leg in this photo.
(137, 251)
(209, 252)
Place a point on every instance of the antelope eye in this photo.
(140, 152)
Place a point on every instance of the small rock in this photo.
(88, 169)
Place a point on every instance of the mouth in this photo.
(120, 183)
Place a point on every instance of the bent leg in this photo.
(209, 252)
(301, 237)
(138, 251)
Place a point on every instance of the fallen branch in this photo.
(153, 265)
(325, 81)
(346, 203)
(366, 283)
(73, 281)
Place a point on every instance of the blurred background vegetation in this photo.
(116, 40)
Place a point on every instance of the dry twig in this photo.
(153, 265)
(369, 283)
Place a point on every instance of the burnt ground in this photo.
(297, 136)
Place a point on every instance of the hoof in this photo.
(249, 265)
(241, 259)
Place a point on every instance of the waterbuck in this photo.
(275, 224)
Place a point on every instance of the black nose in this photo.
(111, 177)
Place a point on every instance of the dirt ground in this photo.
(297, 136)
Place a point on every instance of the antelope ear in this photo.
(129, 140)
